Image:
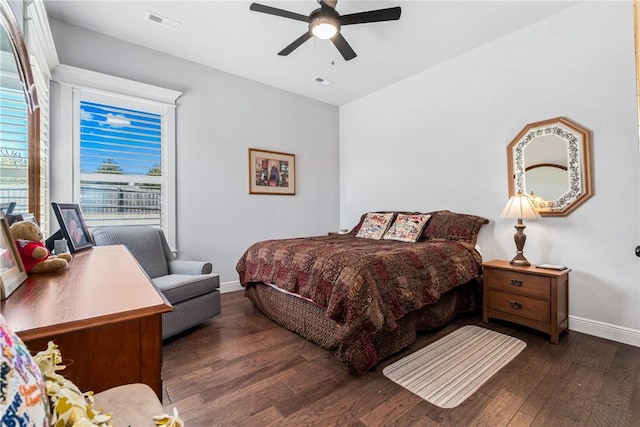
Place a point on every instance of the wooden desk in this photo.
(103, 313)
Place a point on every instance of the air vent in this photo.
(163, 20)
(323, 81)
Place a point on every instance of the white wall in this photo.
(219, 117)
(438, 141)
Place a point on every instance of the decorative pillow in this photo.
(375, 225)
(357, 227)
(23, 397)
(454, 226)
(407, 228)
(33, 394)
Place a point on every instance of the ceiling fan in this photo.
(325, 23)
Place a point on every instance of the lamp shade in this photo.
(520, 207)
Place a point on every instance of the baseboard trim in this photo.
(605, 330)
(230, 287)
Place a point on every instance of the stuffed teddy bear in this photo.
(34, 254)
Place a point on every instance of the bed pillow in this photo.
(375, 225)
(407, 227)
(454, 226)
(23, 394)
(357, 227)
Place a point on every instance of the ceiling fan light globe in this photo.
(323, 28)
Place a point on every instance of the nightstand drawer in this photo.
(518, 305)
(520, 283)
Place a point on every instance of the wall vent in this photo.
(163, 20)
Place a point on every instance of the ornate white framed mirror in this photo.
(551, 160)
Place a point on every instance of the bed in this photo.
(365, 299)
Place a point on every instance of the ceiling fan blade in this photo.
(296, 43)
(390, 14)
(278, 12)
(343, 47)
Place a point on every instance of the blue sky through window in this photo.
(129, 138)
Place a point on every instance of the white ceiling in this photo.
(227, 36)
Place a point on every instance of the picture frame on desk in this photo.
(12, 271)
(11, 218)
(7, 207)
(72, 226)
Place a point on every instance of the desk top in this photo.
(103, 284)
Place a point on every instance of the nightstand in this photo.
(530, 296)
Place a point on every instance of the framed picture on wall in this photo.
(12, 272)
(72, 226)
(272, 172)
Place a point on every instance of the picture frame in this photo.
(272, 172)
(72, 226)
(12, 271)
(11, 218)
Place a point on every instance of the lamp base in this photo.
(520, 260)
(519, 238)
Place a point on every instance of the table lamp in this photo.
(520, 207)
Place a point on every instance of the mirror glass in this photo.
(550, 160)
(545, 166)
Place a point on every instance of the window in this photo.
(123, 149)
(24, 115)
(14, 138)
(120, 165)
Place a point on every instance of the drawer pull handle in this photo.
(515, 304)
(516, 282)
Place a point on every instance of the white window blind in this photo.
(14, 153)
(120, 164)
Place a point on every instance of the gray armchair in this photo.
(188, 285)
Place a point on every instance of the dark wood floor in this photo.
(240, 369)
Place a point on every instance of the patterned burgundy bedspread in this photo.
(364, 284)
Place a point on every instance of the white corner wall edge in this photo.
(605, 330)
(230, 287)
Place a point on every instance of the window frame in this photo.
(21, 55)
(73, 83)
(44, 58)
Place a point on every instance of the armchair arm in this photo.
(178, 266)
